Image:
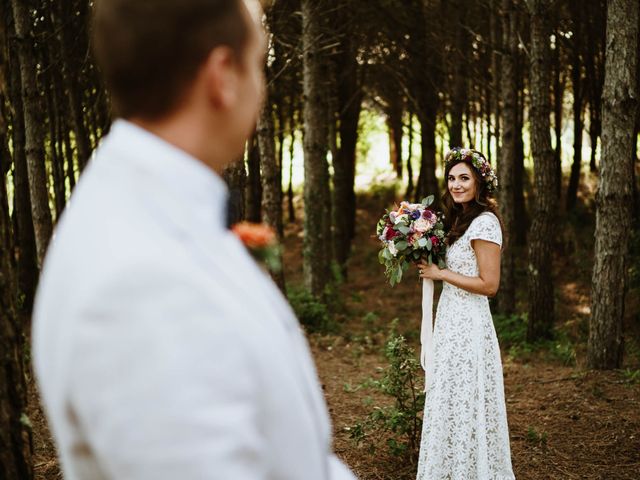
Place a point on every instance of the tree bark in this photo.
(578, 95)
(495, 23)
(41, 214)
(410, 187)
(558, 97)
(254, 183)
(506, 168)
(26, 258)
(349, 104)
(317, 242)
(427, 181)
(541, 291)
(235, 176)
(271, 188)
(614, 195)
(15, 435)
(457, 61)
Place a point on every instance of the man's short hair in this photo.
(149, 51)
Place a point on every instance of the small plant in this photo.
(631, 377)
(402, 419)
(511, 329)
(536, 438)
(369, 320)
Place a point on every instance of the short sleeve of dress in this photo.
(486, 227)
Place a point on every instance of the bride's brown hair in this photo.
(457, 219)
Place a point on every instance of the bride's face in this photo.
(462, 183)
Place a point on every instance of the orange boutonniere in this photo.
(261, 241)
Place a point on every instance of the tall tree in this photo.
(577, 84)
(271, 185)
(457, 64)
(254, 182)
(235, 176)
(615, 187)
(507, 159)
(317, 242)
(24, 237)
(429, 64)
(541, 291)
(26, 44)
(15, 435)
(349, 101)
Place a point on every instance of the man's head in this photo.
(162, 58)
(150, 50)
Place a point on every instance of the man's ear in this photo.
(221, 77)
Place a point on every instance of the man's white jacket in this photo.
(162, 351)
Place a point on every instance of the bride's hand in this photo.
(427, 270)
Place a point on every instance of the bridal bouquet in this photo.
(411, 232)
(261, 241)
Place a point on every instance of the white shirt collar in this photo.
(189, 178)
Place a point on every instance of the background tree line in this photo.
(507, 77)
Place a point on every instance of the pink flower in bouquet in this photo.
(422, 225)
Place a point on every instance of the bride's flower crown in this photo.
(479, 163)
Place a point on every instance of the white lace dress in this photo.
(465, 434)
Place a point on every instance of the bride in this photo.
(465, 433)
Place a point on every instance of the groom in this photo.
(161, 350)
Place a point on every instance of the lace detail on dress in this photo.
(465, 433)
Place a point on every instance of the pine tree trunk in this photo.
(614, 195)
(394, 125)
(317, 243)
(506, 168)
(457, 60)
(41, 214)
(271, 188)
(349, 104)
(521, 175)
(558, 97)
(427, 181)
(254, 183)
(409, 193)
(541, 291)
(54, 116)
(235, 177)
(496, 72)
(27, 264)
(577, 84)
(15, 435)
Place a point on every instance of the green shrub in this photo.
(401, 381)
(312, 313)
(512, 335)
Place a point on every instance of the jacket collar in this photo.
(195, 185)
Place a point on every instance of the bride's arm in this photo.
(488, 280)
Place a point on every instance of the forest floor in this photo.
(565, 422)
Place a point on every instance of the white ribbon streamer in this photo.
(426, 330)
